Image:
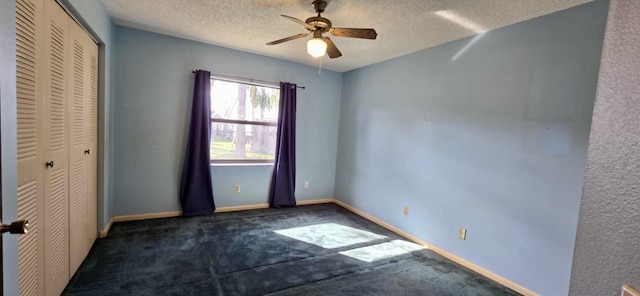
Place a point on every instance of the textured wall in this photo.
(152, 100)
(489, 133)
(607, 253)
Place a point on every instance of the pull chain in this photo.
(320, 67)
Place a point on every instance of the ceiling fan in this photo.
(318, 25)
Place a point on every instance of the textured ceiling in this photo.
(403, 26)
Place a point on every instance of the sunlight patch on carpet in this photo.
(382, 251)
(330, 235)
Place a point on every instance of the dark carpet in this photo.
(238, 253)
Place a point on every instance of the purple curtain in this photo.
(196, 192)
(283, 181)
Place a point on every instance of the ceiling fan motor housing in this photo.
(320, 23)
(319, 6)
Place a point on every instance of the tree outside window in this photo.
(243, 122)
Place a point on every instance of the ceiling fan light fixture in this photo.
(316, 47)
(318, 25)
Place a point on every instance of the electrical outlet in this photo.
(405, 210)
(236, 188)
(462, 233)
(306, 184)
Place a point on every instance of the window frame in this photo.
(224, 162)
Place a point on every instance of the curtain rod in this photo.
(247, 79)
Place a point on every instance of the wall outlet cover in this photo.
(462, 233)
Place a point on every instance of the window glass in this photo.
(243, 122)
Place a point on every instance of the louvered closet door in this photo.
(82, 104)
(77, 163)
(29, 64)
(91, 129)
(56, 231)
(57, 68)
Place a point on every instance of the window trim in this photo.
(224, 162)
(249, 122)
(247, 81)
(230, 162)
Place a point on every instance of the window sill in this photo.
(240, 164)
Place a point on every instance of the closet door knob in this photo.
(49, 164)
(87, 151)
(17, 227)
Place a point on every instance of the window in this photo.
(244, 120)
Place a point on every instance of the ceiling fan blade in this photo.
(354, 33)
(309, 27)
(332, 49)
(288, 38)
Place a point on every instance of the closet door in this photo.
(57, 132)
(29, 65)
(56, 231)
(83, 134)
(77, 164)
(82, 110)
(91, 122)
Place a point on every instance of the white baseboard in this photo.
(314, 201)
(146, 216)
(629, 291)
(105, 231)
(242, 208)
(266, 205)
(497, 278)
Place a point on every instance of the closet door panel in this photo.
(29, 63)
(92, 144)
(78, 176)
(56, 230)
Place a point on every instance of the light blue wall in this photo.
(488, 133)
(152, 99)
(92, 15)
(8, 173)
